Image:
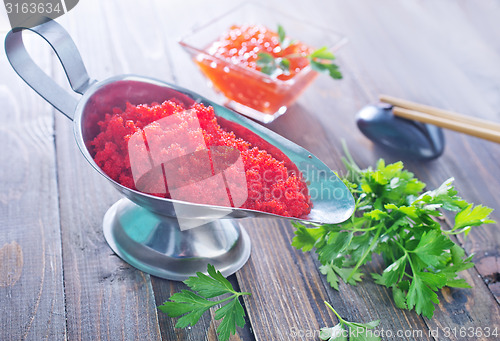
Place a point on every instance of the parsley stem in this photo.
(338, 316)
(362, 230)
(407, 255)
(365, 230)
(402, 247)
(353, 229)
(356, 206)
(411, 267)
(366, 253)
(228, 298)
(454, 232)
(234, 295)
(350, 161)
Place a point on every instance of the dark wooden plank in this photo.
(246, 333)
(132, 49)
(31, 276)
(163, 289)
(173, 22)
(333, 105)
(483, 18)
(106, 298)
(367, 301)
(477, 51)
(390, 45)
(150, 57)
(380, 25)
(287, 292)
(468, 159)
(205, 329)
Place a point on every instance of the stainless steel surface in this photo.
(156, 245)
(332, 201)
(68, 55)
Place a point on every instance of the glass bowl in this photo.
(248, 91)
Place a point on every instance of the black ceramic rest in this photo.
(404, 137)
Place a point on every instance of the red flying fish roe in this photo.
(242, 44)
(271, 187)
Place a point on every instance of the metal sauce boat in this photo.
(144, 229)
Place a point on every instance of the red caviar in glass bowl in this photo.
(242, 45)
(226, 51)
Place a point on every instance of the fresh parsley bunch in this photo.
(320, 60)
(194, 304)
(394, 219)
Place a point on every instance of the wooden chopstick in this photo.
(466, 128)
(444, 118)
(439, 112)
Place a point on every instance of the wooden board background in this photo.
(58, 278)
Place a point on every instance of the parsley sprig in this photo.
(320, 60)
(397, 220)
(193, 304)
(354, 330)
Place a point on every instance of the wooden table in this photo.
(60, 280)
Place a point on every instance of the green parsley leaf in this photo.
(264, 58)
(281, 34)
(337, 242)
(285, 64)
(443, 197)
(268, 70)
(396, 219)
(458, 283)
(421, 297)
(305, 238)
(192, 305)
(331, 69)
(274, 66)
(331, 276)
(457, 254)
(433, 280)
(394, 271)
(266, 63)
(210, 286)
(368, 325)
(186, 302)
(232, 315)
(399, 297)
(432, 246)
(348, 275)
(323, 53)
(472, 217)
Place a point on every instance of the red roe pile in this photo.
(242, 44)
(271, 186)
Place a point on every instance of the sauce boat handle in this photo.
(67, 52)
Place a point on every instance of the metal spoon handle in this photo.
(67, 52)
